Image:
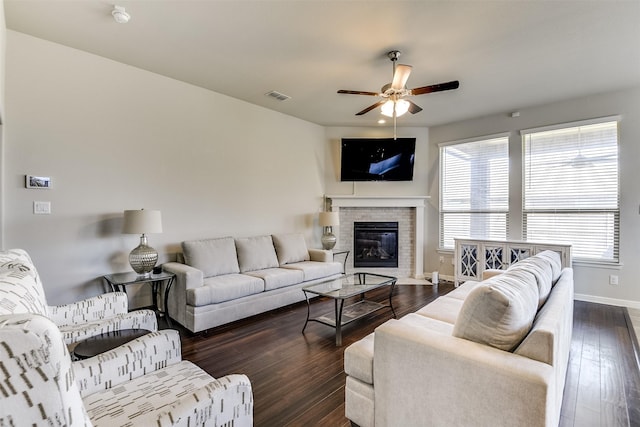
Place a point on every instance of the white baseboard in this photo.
(608, 301)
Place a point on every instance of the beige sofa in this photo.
(227, 279)
(490, 353)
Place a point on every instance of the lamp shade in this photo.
(142, 222)
(329, 219)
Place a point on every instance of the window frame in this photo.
(441, 211)
(615, 259)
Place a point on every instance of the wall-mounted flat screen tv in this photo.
(377, 159)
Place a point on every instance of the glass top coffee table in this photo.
(339, 290)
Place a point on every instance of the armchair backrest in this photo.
(37, 383)
(21, 290)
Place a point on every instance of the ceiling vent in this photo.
(277, 95)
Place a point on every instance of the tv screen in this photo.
(382, 159)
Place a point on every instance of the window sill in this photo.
(597, 264)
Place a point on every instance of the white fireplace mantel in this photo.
(340, 201)
(416, 202)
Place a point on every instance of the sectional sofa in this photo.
(221, 280)
(489, 353)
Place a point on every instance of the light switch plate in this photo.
(41, 208)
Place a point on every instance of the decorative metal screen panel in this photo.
(493, 257)
(518, 254)
(469, 260)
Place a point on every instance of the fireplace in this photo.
(375, 244)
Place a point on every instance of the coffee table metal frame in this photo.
(343, 288)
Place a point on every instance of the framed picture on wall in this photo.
(40, 182)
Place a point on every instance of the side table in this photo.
(120, 281)
(105, 342)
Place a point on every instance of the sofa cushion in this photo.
(500, 312)
(290, 248)
(212, 256)
(275, 278)
(149, 396)
(224, 288)
(256, 253)
(445, 309)
(316, 270)
(358, 359)
(462, 291)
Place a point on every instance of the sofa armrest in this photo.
(187, 277)
(418, 372)
(230, 396)
(190, 277)
(132, 360)
(321, 255)
(89, 310)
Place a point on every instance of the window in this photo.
(570, 188)
(474, 189)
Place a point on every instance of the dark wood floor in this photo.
(298, 379)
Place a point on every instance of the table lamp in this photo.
(328, 220)
(142, 258)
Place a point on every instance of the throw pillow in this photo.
(290, 248)
(553, 258)
(541, 270)
(499, 312)
(256, 253)
(213, 256)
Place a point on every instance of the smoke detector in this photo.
(119, 15)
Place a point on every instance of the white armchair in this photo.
(21, 291)
(144, 382)
(103, 313)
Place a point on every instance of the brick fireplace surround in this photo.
(408, 211)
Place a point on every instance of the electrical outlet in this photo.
(613, 279)
(41, 208)
(441, 259)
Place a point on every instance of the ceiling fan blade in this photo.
(400, 76)
(436, 88)
(358, 92)
(413, 108)
(371, 107)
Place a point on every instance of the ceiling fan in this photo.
(393, 102)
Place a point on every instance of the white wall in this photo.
(3, 44)
(592, 282)
(113, 137)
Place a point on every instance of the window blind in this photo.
(474, 190)
(571, 189)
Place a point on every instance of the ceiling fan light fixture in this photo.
(387, 108)
(401, 106)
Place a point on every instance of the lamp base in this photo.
(328, 241)
(143, 258)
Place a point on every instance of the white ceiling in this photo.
(507, 55)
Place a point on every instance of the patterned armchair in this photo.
(142, 383)
(21, 291)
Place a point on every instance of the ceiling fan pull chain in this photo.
(394, 123)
